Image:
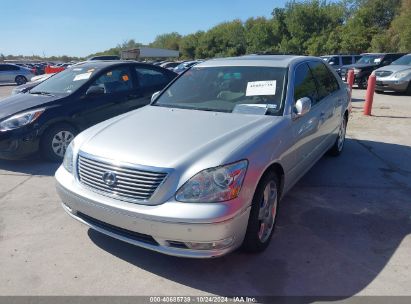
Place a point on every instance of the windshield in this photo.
(370, 59)
(65, 82)
(325, 58)
(404, 60)
(224, 89)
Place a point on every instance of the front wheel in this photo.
(363, 83)
(55, 141)
(263, 214)
(340, 141)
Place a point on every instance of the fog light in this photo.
(210, 246)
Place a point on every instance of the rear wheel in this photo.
(55, 141)
(20, 80)
(263, 214)
(340, 141)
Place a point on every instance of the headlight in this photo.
(20, 120)
(356, 71)
(400, 75)
(214, 185)
(68, 161)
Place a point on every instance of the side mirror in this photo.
(154, 96)
(302, 106)
(95, 90)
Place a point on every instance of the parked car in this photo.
(185, 65)
(201, 170)
(395, 77)
(170, 65)
(337, 61)
(24, 88)
(11, 73)
(366, 65)
(49, 116)
(105, 57)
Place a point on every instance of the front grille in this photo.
(382, 73)
(130, 183)
(140, 237)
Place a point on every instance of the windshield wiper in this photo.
(41, 93)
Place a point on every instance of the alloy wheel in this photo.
(341, 135)
(268, 211)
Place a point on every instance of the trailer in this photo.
(146, 52)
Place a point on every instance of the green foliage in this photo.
(169, 41)
(309, 27)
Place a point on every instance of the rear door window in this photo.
(326, 81)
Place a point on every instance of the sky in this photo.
(83, 27)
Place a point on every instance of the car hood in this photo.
(395, 68)
(174, 138)
(21, 102)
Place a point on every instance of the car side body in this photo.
(173, 145)
(73, 111)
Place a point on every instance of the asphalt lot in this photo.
(343, 230)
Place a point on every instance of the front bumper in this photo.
(139, 225)
(17, 144)
(391, 85)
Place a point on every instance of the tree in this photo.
(189, 45)
(260, 36)
(225, 39)
(169, 41)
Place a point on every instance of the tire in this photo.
(338, 146)
(267, 195)
(55, 141)
(408, 91)
(362, 83)
(20, 80)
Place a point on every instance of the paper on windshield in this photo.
(259, 88)
(83, 76)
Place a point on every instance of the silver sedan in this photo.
(201, 171)
(11, 73)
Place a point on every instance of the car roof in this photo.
(257, 60)
(101, 64)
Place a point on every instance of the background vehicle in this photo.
(185, 65)
(31, 84)
(395, 77)
(10, 73)
(230, 137)
(170, 65)
(367, 64)
(52, 113)
(337, 61)
(105, 57)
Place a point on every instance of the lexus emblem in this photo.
(110, 178)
